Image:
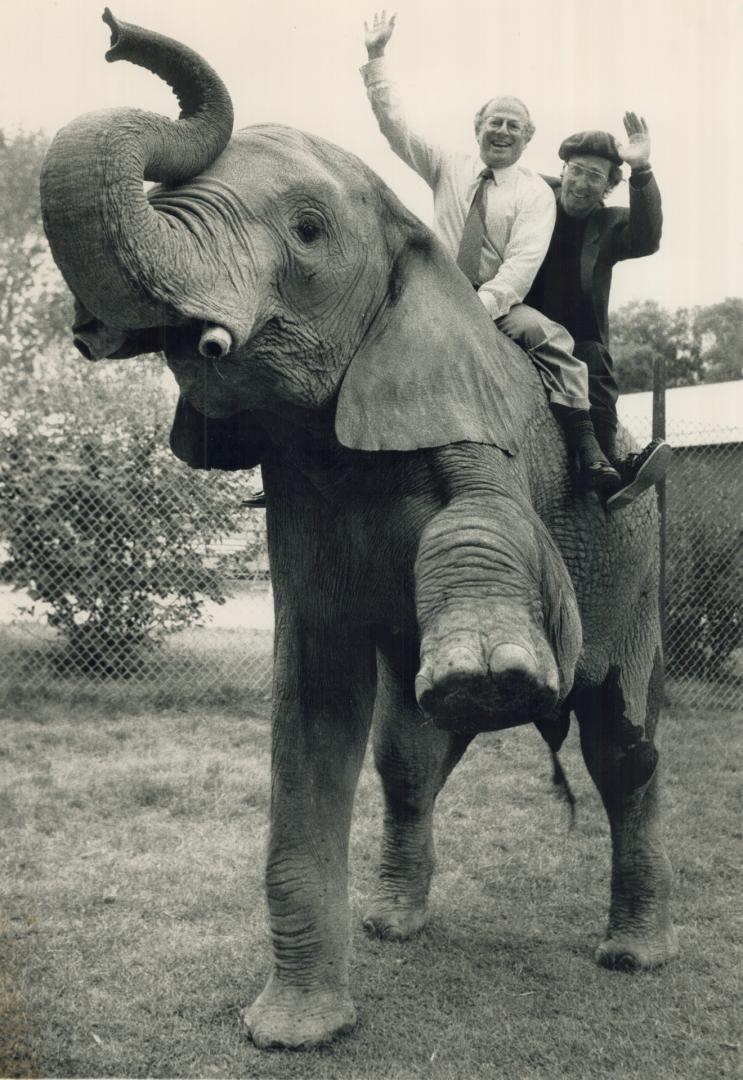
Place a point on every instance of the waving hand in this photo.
(636, 150)
(378, 34)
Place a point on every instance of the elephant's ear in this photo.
(434, 369)
(235, 443)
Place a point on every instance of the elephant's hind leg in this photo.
(413, 760)
(617, 728)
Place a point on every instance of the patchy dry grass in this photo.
(135, 929)
(217, 666)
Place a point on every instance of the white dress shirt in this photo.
(519, 204)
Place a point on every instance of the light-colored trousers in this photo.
(551, 348)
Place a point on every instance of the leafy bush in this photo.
(101, 523)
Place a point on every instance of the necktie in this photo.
(470, 246)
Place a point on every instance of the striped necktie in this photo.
(470, 246)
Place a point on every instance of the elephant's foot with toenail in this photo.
(486, 669)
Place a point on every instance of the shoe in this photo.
(256, 502)
(640, 472)
(601, 477)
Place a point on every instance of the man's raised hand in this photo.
(636, 150)
(378, 34)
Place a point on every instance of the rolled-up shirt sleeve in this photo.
(525, 251)
(412, 147)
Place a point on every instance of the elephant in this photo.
(436, 573)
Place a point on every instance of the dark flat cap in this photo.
(596, 143)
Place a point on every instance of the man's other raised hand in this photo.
(636, 150)
(378, 34)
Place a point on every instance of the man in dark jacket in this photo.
(572, 286)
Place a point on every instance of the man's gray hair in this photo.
(529, 126)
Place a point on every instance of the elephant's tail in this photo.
(554, 732)
(560, 780)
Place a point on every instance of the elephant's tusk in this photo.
(215, 342)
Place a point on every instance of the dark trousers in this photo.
(602, 390)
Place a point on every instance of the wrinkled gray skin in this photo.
(440, 584)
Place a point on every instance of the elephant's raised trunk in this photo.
(124, 261)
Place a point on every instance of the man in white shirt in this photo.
(516, 211)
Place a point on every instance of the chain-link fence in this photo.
(703, 539)
(120, 564)
(137, 586)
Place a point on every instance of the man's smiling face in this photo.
(503, 131)
(585, 181)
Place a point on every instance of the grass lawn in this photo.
(134, 927)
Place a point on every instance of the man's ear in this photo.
(235, 443)
(434, 369)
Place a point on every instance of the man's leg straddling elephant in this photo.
(565, 378)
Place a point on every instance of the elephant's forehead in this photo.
(274, 158)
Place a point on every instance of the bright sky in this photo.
(576, 63)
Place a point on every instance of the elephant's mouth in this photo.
(204, 374)
(220, 381)
(218, 376)
(208, 381)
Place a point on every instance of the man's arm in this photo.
(408, 145)
(525, 251)
(641, 229)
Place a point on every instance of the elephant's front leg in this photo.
(500, 631)
(323, 694)
(413, 760)
(617, 728)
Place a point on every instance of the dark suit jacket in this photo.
(612, 234)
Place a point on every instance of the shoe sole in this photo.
(653, 470)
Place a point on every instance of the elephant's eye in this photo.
(309, 229)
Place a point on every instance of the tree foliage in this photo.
(699, 344)
(719, 328)
(35, 306)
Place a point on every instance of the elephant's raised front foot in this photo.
(641, 952)
(485, 668)
(285, 1017)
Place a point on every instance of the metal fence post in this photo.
(659, 431)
